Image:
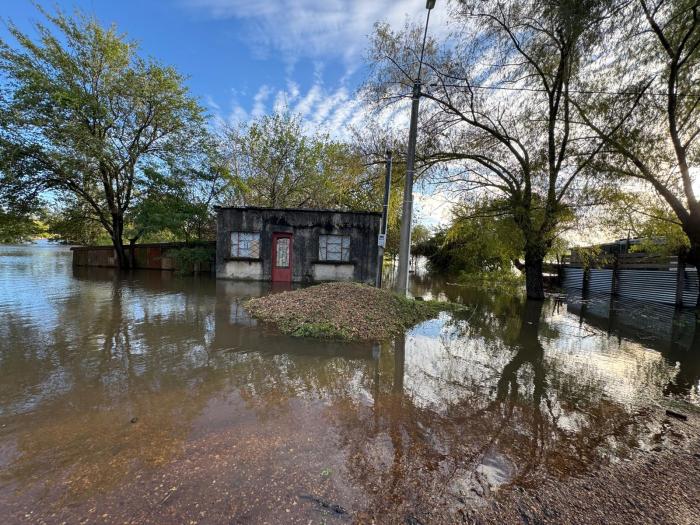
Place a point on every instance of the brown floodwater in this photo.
(153, 398)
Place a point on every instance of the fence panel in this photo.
(650, 285)
(600, 281)
(573, 277)
(690, 286)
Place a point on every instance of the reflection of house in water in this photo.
(296, 245)
(661, 327)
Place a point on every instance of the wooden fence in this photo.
(145, 256)
(660, 279)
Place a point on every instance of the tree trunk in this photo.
(694, 259)
(118, 242)
(692, 230)
(534, 281)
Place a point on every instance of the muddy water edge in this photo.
(152, 398)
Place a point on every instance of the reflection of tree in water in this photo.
(163, 356)
(125, 354)
(527, 421)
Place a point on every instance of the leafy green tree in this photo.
(273, 162)
(177, 206)
(645, 215)
(74, 223)
(19, 227)
(497, 118)
(476, 242)
(83, 114)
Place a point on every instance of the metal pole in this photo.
(407, 209)
(385, 219)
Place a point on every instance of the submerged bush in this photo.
(188, 257)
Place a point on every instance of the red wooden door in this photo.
(282, 257)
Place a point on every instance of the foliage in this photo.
(19, 227)
(83, 114)
(419, 236)
(273, 162)
(178, 204)
(476, 242)
(74, 224)
(646, 216)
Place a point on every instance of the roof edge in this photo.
(305, 210)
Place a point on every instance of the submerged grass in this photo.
(347, 311)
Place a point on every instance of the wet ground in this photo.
(149, 398)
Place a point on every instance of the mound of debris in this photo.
(348, 311)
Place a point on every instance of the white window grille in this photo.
(245, 244)
(334, 248)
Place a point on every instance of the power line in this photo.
(573, 91)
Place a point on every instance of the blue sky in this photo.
(243, 57)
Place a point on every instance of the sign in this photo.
(381, 240)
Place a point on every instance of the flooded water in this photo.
(154, 398)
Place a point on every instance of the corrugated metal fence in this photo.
(633, 276)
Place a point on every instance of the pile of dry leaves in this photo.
(347, 311)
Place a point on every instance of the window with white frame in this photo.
(334, 248)
(245, 244)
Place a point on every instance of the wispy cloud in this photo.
(315, 28)
(333, 111)
(259, 101)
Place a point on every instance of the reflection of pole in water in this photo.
(376, 354)
(399, 362)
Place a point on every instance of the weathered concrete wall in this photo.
(243, 270)
(146, 256)
(333, 272)
(306, 227)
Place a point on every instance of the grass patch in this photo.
(346, 311)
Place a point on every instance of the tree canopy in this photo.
(83, 115)
(274, 162)
(644, 103)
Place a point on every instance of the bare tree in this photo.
(500, 126)
(645, 104)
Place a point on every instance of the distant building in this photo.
(296, 245)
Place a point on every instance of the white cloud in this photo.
(316, 28)
(259, 101)
(432, 209)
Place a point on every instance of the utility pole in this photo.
(407, 208)
(385, 220)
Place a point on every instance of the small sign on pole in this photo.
(381, 240)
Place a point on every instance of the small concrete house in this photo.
(296, 245)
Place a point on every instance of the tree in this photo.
(274, 163)
(500, 125)
(74, 223)
(83, 115)
(647, 106)
(18, 227)
(474, 243)
(647, 216)
(178, 203)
